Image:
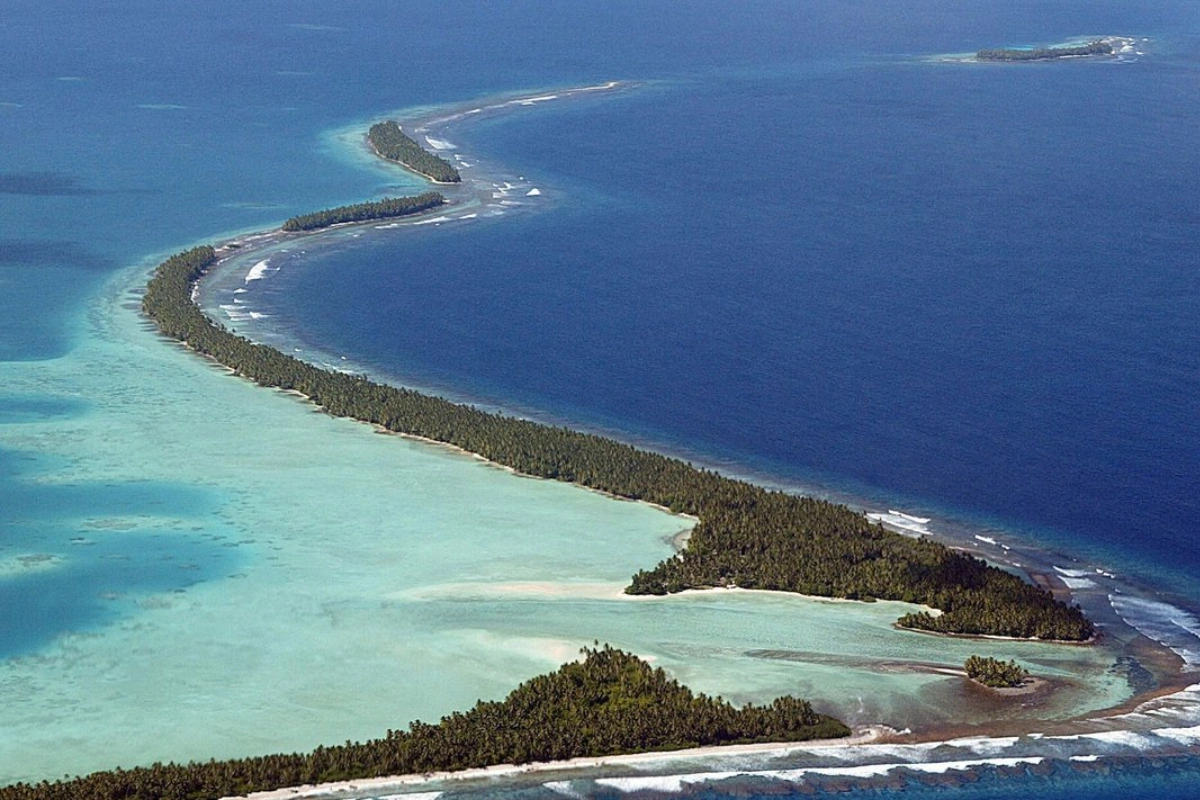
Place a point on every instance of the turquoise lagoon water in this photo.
(192, 567)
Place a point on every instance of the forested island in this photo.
(994, 673)
(1095, 48)
(746, 536)
(609, 703)
(393, 144)
(387, 208)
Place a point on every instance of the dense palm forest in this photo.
(609, 703)
(747, 536)
(1096, 48)
(394, 145)
(995, 673)
(387, 208)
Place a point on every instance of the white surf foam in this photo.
(1078, 583)
(1181, 708)
(439, 144)
(432, 221)
(257, 272)
(1188, 737)
(666, 783)
(983, 745)
(1076, 578)
(1166, 624)
(534, 192)
(676, 783)
(528, 101)
(1131, 740)
(901, 521)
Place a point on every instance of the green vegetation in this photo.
(386, 208)
(393, 144)
(995, 673)
(746, 536)
(609, 703)
(1095, 48)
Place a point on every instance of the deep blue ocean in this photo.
(796, 248)
(964, 289)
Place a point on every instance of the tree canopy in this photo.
(387, 208)
(395, 145)
(995, 673)
(1096, 48)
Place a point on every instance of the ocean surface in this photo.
(794, 243)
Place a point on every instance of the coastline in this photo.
(1025, 557)
(418, 781)
(872, 757)
(267, 240)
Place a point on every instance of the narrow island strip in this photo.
(1099, 47)
(387, 208)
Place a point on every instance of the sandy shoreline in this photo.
(871, 751)
(861, 736)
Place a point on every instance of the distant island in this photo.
(1099, 47)
(393, 144)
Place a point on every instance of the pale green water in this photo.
(381, 580)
